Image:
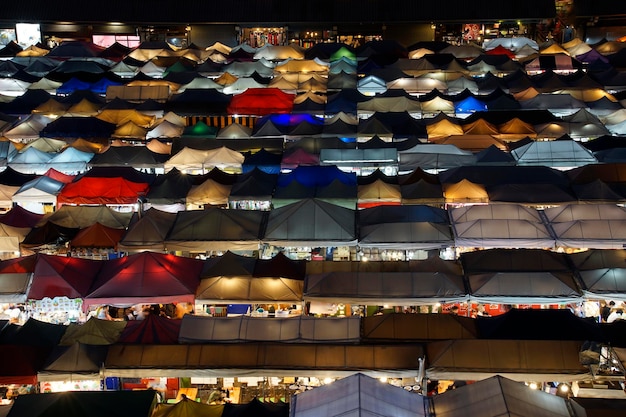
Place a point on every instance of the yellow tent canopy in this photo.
(465, 191)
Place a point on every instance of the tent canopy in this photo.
(273, 359)
(378, 283)
(56, 276)
(146, 277)
(520, 360)
(242, 329)
(358, 395)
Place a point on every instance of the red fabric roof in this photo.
(154, 330)
(501, 50)
(96, 190)
(261, 102)
(18, 216)
(19, 364)
(97, 236)
(62, 276)
(23, 265)
(59, 176)
(146, 277)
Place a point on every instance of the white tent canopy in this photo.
(499, 225)
(358, 395)
(597, 226)
(556, 154)
(500, 396)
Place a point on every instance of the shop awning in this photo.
(248, 290)
(74, 362)
(93, 332)
(266, 359)
(378, 283)
(403, 327)
(519, 276)
(520, 360)
(301, 329)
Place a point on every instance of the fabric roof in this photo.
(97, 236)
(69, 363)
(418, 327)
(216, 229)
(500, 396)
(85, 216)
(91, 190)
(559, 153)
(602, 272)
(15, 281)
(32, 333)
(93, 332)
(377, 283)
(240, 289)
(523, 276)
(208, 192)
(598, 226)
(242, 329)
(260, 102)
(152, 330)
(19, 364)
(311, 222)
(272, 359)
(358, 395)
(146, 278)
(147, 232)
(520, 360)
(56, 276)
(499, 225)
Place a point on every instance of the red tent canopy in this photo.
(97, 236)
(501, 50)
(18, 216)
(23, 265)
(146, 278)
(154, 330)
(56, 276)
(261, 102)
(59, 176)
(97, 190)
(19, 363)
(299, 157)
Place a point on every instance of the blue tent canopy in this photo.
(73, 84)
(469, 105)
(315, 176)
